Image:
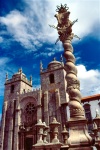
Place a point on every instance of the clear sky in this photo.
(26, 39)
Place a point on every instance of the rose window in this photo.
(30, 108)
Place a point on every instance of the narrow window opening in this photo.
(12, 88)
(88, 111)
(51, 78)
(88, 116)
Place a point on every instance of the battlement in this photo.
(19, 76)
(9, 81)
(53, 65)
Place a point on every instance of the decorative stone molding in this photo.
(40, 126)
(65, 135)
(54, 130)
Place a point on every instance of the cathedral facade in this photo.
(23, 106)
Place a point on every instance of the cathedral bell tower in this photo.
(15, 86)
(53, 87)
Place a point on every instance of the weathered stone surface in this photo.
(23, 106)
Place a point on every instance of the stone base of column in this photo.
(78, 136)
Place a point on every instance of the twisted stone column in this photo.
(64, 28)
(73, 84)
(79, 138)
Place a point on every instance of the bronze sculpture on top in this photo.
(79, 138)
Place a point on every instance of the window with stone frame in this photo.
(87, 108)
(51, 78)
(88, 111)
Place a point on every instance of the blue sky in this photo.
(26, 39)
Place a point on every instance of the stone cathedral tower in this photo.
(53, 86)
(23, 106)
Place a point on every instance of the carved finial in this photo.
(64, 26)
(97, 113)
(20, 70)
(6, 76)
(54, 125)
(54, 59)
(41, 66)
(94, 126)
(31, 79)
(39, 121)
(64, 128)
(65, 135)
(54, 119)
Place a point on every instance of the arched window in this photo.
(51, 78)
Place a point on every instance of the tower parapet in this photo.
(17, 84)
(19, 76)
(53, 65)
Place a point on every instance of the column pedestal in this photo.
(79, 137)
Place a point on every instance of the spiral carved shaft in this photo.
(64, 28)
(73, 84)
